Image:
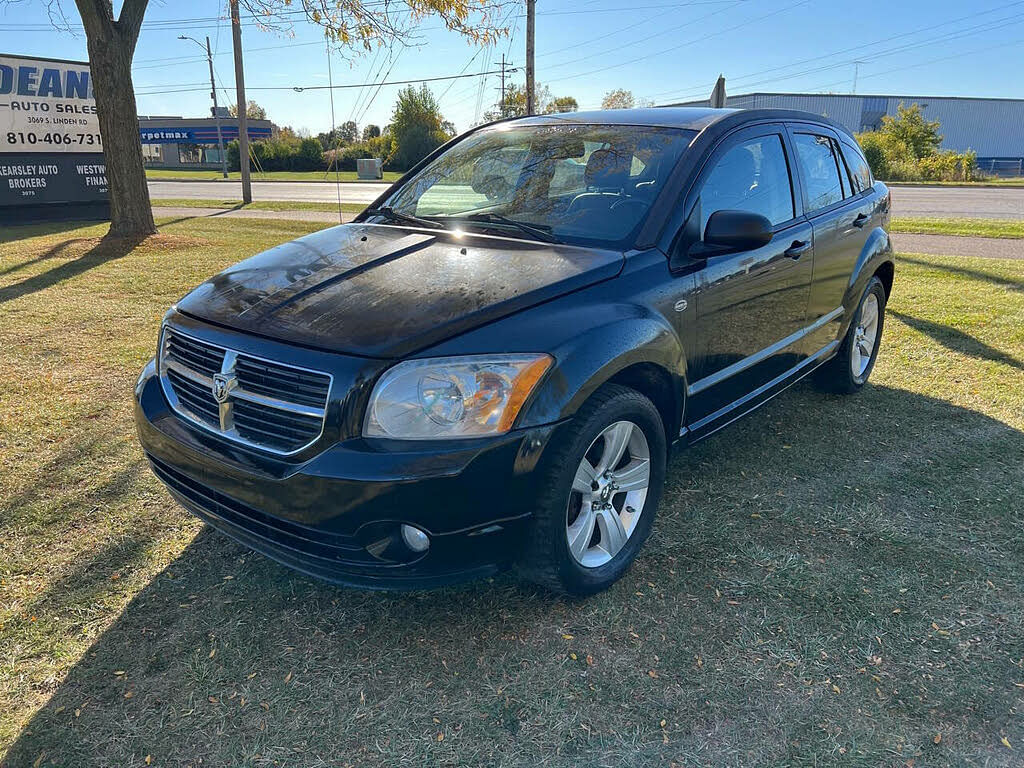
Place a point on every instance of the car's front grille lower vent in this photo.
(264, 404)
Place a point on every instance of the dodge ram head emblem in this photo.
(222, 386)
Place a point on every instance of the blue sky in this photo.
(659, 49)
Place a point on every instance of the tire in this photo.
(840, 374)
(562, 509)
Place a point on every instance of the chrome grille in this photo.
(265, 404)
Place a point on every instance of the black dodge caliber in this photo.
(488, 367)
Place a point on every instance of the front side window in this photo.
(751, 176)
(859, 169)
(816, 156)
(587, 184)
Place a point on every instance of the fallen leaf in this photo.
(265, 705)
(573, 656)
(836, 688)
(567, 637)
(288, 677)
(937, 739)
(652, 673)
(213, 652)
(590, 660)
(440, 737)
(663, 723)
(149, 759)
(1005, 742)
(118, 673)
(128, 694)
(39, 760)
(212, 699)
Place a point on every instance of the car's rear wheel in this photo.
(599, 494)
(849, 370)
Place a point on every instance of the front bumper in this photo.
(336, 515)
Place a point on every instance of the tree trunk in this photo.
(110, 61)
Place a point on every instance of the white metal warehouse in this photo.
(993, 128)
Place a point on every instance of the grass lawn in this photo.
(833, 580)
(259, 205)
(965, 227)
(995, 181)
(165, 174)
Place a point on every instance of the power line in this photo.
(680, 45)
(745, 80)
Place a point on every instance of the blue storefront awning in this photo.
(197, 134)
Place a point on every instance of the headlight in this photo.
(452, 396)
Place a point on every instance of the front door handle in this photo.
(861, 220)
(798, 248)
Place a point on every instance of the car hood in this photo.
(386, 291)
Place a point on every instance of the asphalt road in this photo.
(971, 202)
(304, 191)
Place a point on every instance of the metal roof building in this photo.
(993, 128)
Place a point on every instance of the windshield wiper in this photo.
(390, 213)
(497, 218)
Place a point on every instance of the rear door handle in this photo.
(861, 220)
(798, 248)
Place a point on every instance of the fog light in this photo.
(415, 539)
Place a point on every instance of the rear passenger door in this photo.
(841, 213)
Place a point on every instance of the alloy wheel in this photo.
(865, 335)
(608, 494)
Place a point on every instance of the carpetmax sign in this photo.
(50, 146)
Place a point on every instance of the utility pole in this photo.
(531, 8)
(243, 124)
(216, 115)
(213, 95)
(856, 71)
(502, 112)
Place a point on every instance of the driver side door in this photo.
(751, 305)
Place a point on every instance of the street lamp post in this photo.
(213, 95)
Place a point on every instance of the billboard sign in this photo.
(51, 153)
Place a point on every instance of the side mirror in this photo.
(735, 231)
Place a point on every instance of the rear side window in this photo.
(859, 169)
(816, 156)
(751, 176)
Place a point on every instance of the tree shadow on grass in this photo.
(107, 249)
(226, 658)
(1006, 282)
(958, 341)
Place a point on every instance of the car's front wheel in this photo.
(599, 496)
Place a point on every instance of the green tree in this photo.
(111, 39)
(417, 126)
(909, 128)
(348, 131)
(253, 111)
(371, 132)
(618, 99)
(514, 103)
(561, 104)
(310, 155)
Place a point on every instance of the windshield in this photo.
(585, 184)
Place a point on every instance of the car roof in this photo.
(690, 118)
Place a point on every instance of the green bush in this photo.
(905, 148)
(380, 147)
(284, 152)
